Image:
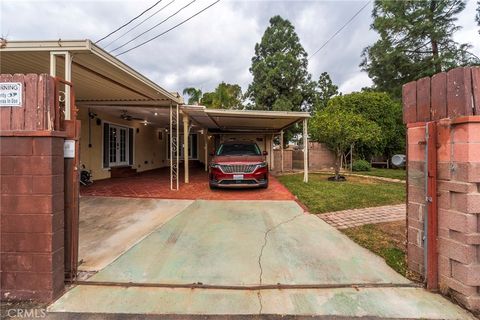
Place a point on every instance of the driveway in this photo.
(241, 250)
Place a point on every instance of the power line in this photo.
(150, 29)
(174, 27)
(339, 30)
(138, 24)
(126, 24)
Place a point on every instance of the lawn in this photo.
(386, 173)
(321, 195)
(387, 240)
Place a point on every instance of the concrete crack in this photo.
(265, 240)
(259, 295)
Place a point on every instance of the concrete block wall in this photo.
(458, 198)
(459, 209)
(416, 197)
(32, 217)
(449, 102)
(287, 160)
(320, 157)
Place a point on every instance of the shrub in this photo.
(361, 165)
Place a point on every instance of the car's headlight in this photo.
(262, 164)
(215, 165)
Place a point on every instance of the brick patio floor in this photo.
(156, 184)
(357, 217)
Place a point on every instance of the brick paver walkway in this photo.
(357, 217)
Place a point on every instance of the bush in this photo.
(361, 165)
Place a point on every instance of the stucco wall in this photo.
(149, 150)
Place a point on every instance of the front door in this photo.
(118, 146)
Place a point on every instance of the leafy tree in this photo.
(194, 95)
(416, 40)
(225, 96)
(279, 67)
(381, 109)
(325, 90)
(339, 129)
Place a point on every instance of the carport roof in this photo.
(98, 77)
(243, 120)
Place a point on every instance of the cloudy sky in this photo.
(216, 45)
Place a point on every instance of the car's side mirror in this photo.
(265, 153)
(211, 154)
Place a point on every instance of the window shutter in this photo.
(130, 146)
(106, 149)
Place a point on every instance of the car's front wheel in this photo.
(265, 186)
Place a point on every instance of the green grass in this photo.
(386, 173)
(321, 195)
(379, 240)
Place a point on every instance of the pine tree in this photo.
(416, 40)
(279, 68)
(325, 90)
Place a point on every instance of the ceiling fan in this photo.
(128, 117)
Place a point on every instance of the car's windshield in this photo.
(238, 149)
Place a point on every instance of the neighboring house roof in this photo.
(98, 77)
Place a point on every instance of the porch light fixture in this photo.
(155, 114)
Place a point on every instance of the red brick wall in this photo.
(31, 212)
(32, 195)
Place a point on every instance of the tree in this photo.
(279, 67)
(477, 16)
(416, 40)
(194, 95)
(325, 90)
(225, 96)
(381, 109)
(340, 129)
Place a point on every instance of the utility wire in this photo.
(339, 30)
(175, 26)
(138, 24)
(150, 29)
(126, 24)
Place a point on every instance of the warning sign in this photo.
(10, 94)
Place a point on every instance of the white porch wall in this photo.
(147, 145)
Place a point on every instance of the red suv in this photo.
(238, 164)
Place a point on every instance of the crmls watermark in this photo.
(27, 313)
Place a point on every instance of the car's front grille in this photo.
(233, 182)
(238, 168)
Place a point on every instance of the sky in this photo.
(218, 44)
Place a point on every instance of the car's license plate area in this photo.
(238, 177)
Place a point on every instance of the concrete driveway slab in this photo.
(247, 243)
(110, 226)
(397, 303)
(238, 243)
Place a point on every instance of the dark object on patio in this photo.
(85, 176)
(340, 179)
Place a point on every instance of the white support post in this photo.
(272, 158)
(281, 151)
(305, 150)
(205, 138)
(53, 64)
(185, 146)
(177, 139)
(68, 77)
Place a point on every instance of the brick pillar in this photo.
(32, 217)
(416, 196)
(459, 209)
